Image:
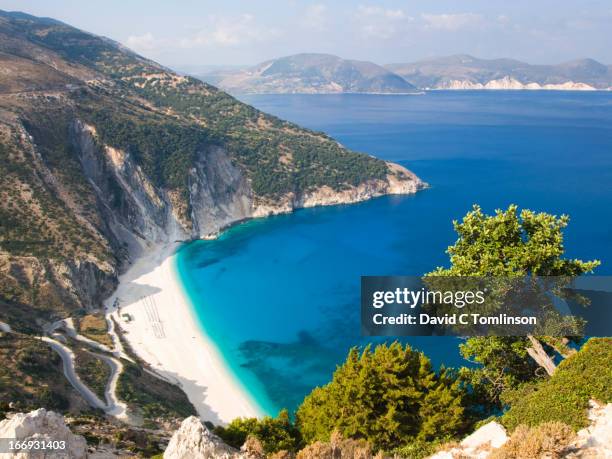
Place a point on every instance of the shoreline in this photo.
(158, 321)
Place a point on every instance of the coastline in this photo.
(158, 321)
(154, 311)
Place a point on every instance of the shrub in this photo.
(254, 448)
(154, 397)
(388, 396)
(546, 440)
(419, 449)
(283, 454)
(275, 434)
(337, 448)
(565, 396)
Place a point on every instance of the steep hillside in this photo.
(311, 74)
(103, 153)
(468, 72)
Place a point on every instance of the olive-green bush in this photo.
(565, 396)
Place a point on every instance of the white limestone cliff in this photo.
(220, 194)
(509, 83)
(193, 440)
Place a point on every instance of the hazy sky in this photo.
(196, 33)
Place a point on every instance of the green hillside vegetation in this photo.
(259, 142)
(31, 377)
(54, 222)
(34, 221)
(93, 371)
(317, 160)
(565, 396)
(161, 119)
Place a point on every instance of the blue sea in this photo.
(280, 296)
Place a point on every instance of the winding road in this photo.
(111, 356)
(69, 372)
(112, 405)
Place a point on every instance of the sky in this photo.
(190, 34)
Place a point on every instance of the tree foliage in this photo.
(387, 395)
(511, 244)
(503, 363)
(507, 244)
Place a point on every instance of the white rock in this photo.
(478, 445)
(595, 441)
(194, 441)
(492, 433)
(43, 425)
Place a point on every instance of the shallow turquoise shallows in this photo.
(280, 296)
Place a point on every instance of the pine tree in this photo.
(387, 396)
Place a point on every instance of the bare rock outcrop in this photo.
(491, 440)
(595, 441)
(478, 445)
(194, 441)
(43, 426)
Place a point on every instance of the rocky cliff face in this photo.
(220, 194)
(398, 181)
(595, 441)
(135, 210)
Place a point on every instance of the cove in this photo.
(280, 296)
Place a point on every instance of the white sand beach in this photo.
(158, 322)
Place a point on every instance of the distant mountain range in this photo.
(468, 72)
(324, 73)
(312, 74)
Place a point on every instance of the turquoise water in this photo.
(280, 296)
